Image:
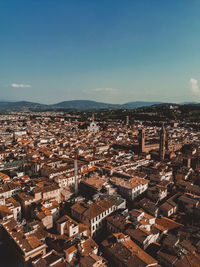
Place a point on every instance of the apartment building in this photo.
(93, 214)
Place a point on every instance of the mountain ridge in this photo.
(79, 105)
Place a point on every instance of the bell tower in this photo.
(141, 140)
(127, 120)
(162, 142)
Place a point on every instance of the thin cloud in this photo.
(106, 90)
(194, 86)
(20, 85)
(101, 91)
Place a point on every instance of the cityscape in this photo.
(99, 133)
(77, 190)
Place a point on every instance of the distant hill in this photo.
(85, 104)
(88, 104)
(139, 104)
(81, 105)
(20, 105)
(189, 103)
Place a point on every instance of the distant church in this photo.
(93, 128)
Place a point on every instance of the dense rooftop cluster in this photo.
(138, 197)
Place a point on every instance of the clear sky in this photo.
(105, 50)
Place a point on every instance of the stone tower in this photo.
(162, 142)
(127, 120)
(93, 118)
(141, 140)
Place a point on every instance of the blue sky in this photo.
(105, 50)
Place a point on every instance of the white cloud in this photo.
(101, 91)
(106, 90)
(20, 85)
(195, 86)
